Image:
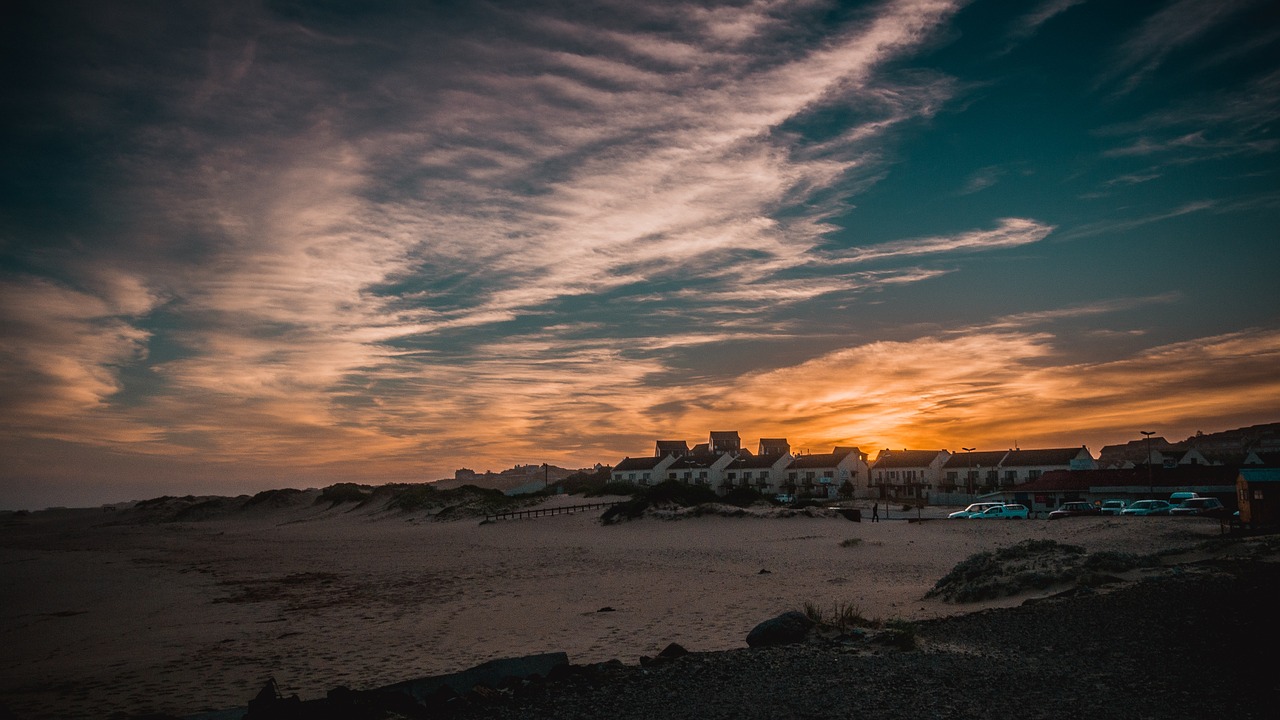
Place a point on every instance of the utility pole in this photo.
(1151, 490)
(968, 476)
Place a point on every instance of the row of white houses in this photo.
(938, 475)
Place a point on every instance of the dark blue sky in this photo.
(265, 244)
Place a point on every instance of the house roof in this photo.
(774, 446)
(695, 462)
(906, 458)
(1051, 456)
(673, 447)
(1261, 475)
(820, 460)
(747, 462)
(1136, 478)
(1269, 459)
(966, 460)
(640, 463)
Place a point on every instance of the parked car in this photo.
(1074, 509)
(1012, 511)
(1206, 506)
(973, 509)
(1113, 507)
(1178, 497)
(1147, 507)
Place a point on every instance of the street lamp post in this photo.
(1151, 490)
(968, 475)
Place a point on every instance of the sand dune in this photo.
(108, 612)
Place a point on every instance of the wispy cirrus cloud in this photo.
(1176, 26)
(1011, 232)
(1027, 25)
(1113, 226)
(1093, 309)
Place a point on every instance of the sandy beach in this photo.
(105, 613)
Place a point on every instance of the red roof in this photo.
(1083, 480)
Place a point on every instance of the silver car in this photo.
(1113, 507)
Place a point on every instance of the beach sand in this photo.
(105, 613)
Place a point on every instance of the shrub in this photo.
(342, 493)
(616, 488)
(671, 492)
(743, 497)
(587, 483)
(273, 498)
(991, 574)
(842, 615)
(415, 497)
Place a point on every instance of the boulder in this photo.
(789, 627)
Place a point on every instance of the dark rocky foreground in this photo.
(1198, 641)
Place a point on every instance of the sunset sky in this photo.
(247, 245)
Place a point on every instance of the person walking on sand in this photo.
(875, 512)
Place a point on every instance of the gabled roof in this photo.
(1268, 459)
(672, 447)
(774, 446)
(821, 460)
(1029, 458)
(749, 462)
(982, 458)
(641, 463)
(907, 458)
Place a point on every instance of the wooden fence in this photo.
(540, 512)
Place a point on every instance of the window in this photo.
(746, 475)
(828, 473)
(952, 477)
(1033, 474)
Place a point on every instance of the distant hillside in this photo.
(1228, 446)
